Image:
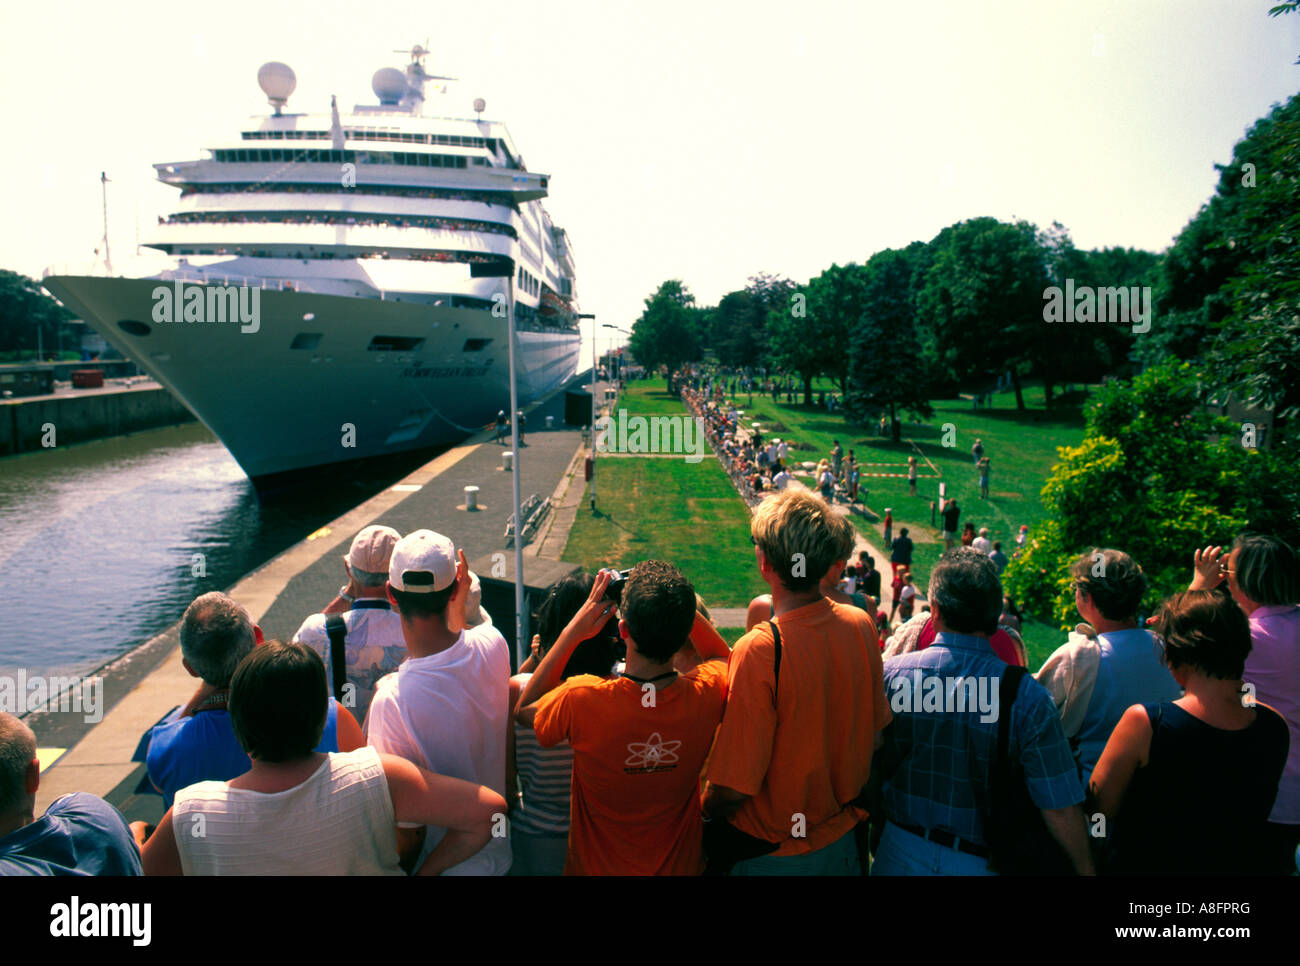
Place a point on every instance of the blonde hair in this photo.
(796, 526)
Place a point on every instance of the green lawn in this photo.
(686, 513)
(690, 513)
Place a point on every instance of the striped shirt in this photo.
(546, 779)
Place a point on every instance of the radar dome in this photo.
(479, 105)
(389, 85)
(277, 81)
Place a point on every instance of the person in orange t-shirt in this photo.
(639, 740)
(794, 751)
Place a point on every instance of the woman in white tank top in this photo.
(301, 812)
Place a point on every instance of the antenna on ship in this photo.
(416, 77)
(336, 127)
(103, 182)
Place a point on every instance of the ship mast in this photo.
(416, 78)
(108, 261)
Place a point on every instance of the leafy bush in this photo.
(1156, 476)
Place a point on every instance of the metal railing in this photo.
(534, 511)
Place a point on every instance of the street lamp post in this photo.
(590, 315)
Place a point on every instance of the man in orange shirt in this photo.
(639, 740)
(805, 711)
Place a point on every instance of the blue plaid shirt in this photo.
(944, 755)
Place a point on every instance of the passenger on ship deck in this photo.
(370, 631)
(305, 812)
(79, 834)
(200, 745)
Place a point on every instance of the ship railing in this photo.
(245, 281)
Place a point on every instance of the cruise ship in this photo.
(340, 284)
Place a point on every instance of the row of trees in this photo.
(921, 322)
(909, 324)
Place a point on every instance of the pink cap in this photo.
(372, 548)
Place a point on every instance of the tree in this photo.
(884, 370)
(981, 304)
(667, 333)
(808, 332)
(1086, 353)
(29, 318)
(737, 329)
(1228, 295)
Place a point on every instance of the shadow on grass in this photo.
(1061, 415)
(601, 515)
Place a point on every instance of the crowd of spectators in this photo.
(348, 219)
(388, 736)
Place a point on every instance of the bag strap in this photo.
(776, 661)
(338, 632)
(1008, 688)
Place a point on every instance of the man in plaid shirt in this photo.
(938, 752)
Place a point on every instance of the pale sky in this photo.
(697, 140)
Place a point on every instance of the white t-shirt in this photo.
(781, 480)
(983, 544)
(907, 593)
(448, 712)
(782, 451)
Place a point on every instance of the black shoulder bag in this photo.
(338, 632)
(724, 844)
(1018, 838)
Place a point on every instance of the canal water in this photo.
(98, 542)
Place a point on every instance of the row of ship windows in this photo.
(340, 218)
(528, 282)
(283, 187)
(313, 155)
(375, 134)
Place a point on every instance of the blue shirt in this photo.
(944, 754)
(203, 748)
(80, 834)
(1130, 673)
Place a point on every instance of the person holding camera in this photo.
(639, 739)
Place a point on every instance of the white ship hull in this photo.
(337, 398)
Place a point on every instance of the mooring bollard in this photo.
(471, 498)
(508, 460)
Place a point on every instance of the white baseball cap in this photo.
(423, 562)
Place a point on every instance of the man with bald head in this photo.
(79, 834)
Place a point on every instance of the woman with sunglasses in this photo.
(1186, 786)
(1262, 574)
